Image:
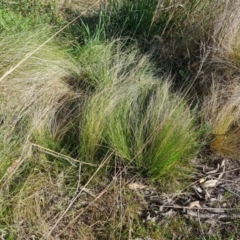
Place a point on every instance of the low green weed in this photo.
(20, 15)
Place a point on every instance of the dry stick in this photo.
(56, 154)
(48, 40)
(230, 170)
(214, 215)
(75, 198)
(79, 180)
(202, 208)
(18, 162)
(200, 225)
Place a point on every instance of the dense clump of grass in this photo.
(221, 106)
(32, 94)
(143, 19)
(177, 21)
(132, 113)
(38, 83)
(221, 112)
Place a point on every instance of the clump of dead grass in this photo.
(30, 98)
(221, 107)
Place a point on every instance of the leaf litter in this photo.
(212, 197)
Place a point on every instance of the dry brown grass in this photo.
(221, 108)
(79, 5)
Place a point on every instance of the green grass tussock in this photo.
(133, 113)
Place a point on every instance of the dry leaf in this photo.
(86, 190)
(207, 195)
(135, 186)
(13, 166)
(197, 189)
(223, 163)
(222, 173)
(197, 204)
(151, 219)
(210, 183)
(199, 192)
(213, 199)
(213, 171)
(168, 213)
(194, 64)
(158, 38)
(202, 180)
(217, 210)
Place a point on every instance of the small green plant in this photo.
(17, 16)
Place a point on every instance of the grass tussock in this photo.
(32, 94)
(221, 107)
(221, 112)
(133, 113)
(30, 98)
(33, 90)
(227, 45)
(164, 18)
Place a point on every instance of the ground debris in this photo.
(214, 196)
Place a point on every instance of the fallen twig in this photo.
(62, 156)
